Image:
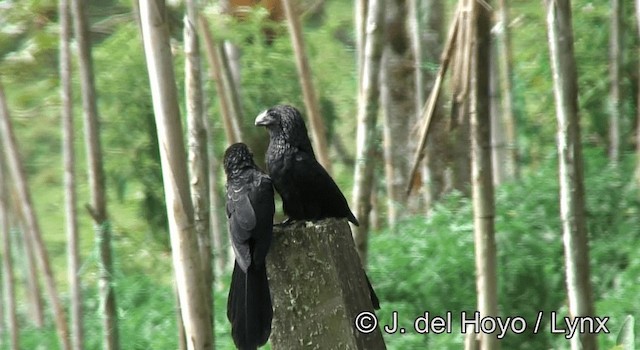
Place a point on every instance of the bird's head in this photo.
(284, 121)
(237, 157)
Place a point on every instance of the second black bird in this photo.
(308, 192)
(250, 209)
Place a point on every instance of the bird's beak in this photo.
(263, 119)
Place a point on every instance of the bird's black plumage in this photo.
(308, 192)
(250, 209)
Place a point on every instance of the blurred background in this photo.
(420, 252)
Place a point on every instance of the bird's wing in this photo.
(250, 208)
(314, 180)
(320, 194)
(242, 220)
(239, 208)
(264, 207)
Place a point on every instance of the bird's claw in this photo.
(286, 222)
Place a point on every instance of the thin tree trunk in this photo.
(398, 105)
(498, 139)
(471, 341)
(318, 131)
(217, 231)
(360, 22)
(638, 102)
(506, 91)
(229, 109)
(459, 156)
(231, 86)
(198, 153)
(368, 105)
(572, 206)
(374, 214)
(20, 182)
(3, 303)
(460, 133)
(182, 334)
(73, 258)
(34, 292)
(482, 178)
(418, 25)
(615, 66)
(428, 111)
(8, 280)
(232, 51)
(427, 31)
(194, 108)
(98, 207)
(27, 260)
(185, 253)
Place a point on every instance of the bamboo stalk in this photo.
(33, 232)
(318, 130)
(215, 57)
(429, 108)
(69, 160)
(8, 278)
(197, 149)
(185, 253)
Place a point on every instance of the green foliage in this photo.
(431, 260)
(533, 90)
(129, 127)
(146, 312)
(269, 74)
(437, 275)
(427, 266)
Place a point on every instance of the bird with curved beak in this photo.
(250, 209)
(308, 192)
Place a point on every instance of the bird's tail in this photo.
(249, 307)
(374, 298)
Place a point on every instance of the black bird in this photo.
(308, 192)
(250, 209)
